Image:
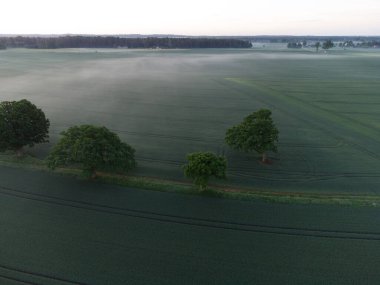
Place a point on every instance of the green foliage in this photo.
(21, 124)
(94, 148)
(327, 44)
(112, 42)
(294, 45)
(256, 133)
(317, 45)
(203, 165)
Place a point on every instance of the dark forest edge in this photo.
(10, 159)
(119, 42)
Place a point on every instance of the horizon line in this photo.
(178, 35)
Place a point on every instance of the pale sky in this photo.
(195, 17)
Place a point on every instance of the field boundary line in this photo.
(215, 190)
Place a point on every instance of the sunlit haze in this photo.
(197, 17)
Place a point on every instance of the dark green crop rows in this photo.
(169, 103)
(58, 230)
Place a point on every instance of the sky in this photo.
(195, 17)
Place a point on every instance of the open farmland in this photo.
(58, 230)
(169, 103)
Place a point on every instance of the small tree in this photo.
(203, 165)
(21, 124)
(317, 46)
(327, 44)
(94, 148)
(256, 133)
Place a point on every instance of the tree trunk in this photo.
(94, 174)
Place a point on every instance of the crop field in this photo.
(57, 230)
(167, 103)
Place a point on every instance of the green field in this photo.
(168, 103)
(58, 230)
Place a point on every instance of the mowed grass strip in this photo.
(184, 187)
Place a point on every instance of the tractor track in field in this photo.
(341, 141)
(171, 106)
(300, 118)
(23, 274)
(311, 175)
(299, 178)
(162, 161)
(171, 137)
(346, 102)
(350, 143)
(295, 145)
(217, 140)
(339, 114)
(191, 221)
(148, 117)
(152, 135)
(236, 87)
(194, 94)
(19, 281)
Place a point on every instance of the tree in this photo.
(317, 45)
(327, 44)
(115, 42)
(203, 165)
(257, 133)
(21, 124)
(294, 45)
(93, 148)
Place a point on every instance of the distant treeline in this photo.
(364, 44)
(329, 44)
(291, 39)
(371, 44)
(118, 42)
(297, 45)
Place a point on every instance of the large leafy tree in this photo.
(93, 148)
(256, 133)
(21, 124)
(202, 166)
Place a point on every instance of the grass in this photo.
(27, 161)
(169, 103)
(91, 233)
(215, 191)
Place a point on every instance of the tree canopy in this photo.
(117, 42)
(317, 45)
(21, 124)
(257, 133)
(93, 148)
(202, 166)
(328, 44)
(295, 45)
